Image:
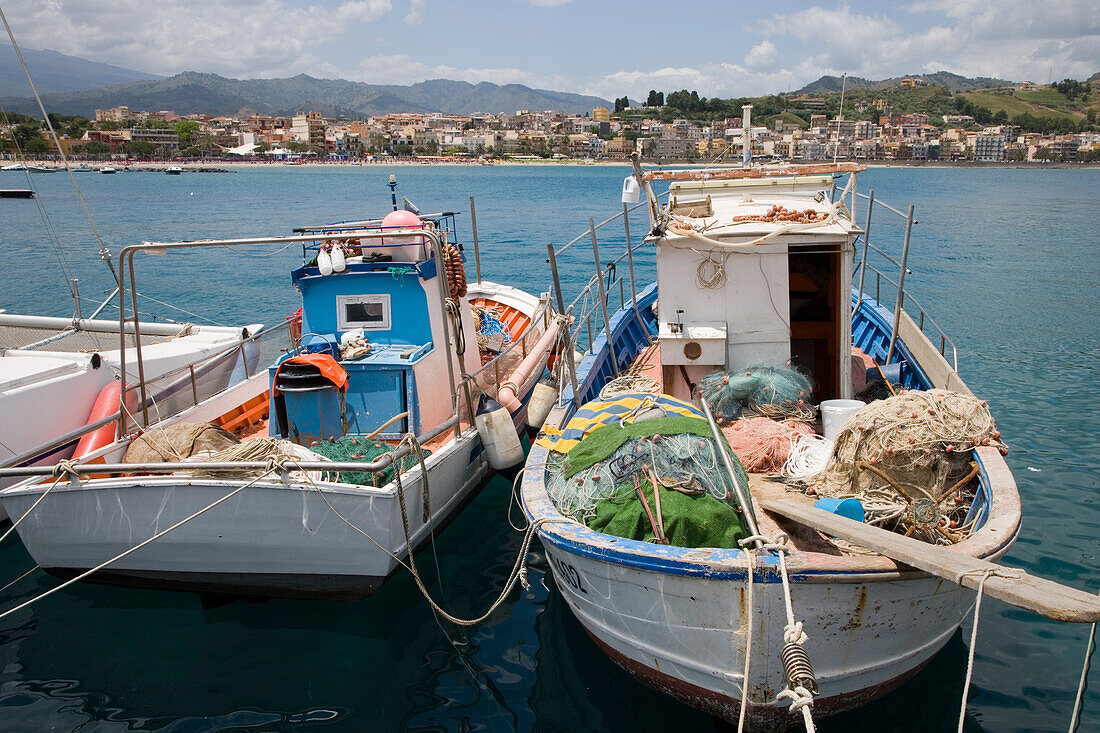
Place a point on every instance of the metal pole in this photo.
(901, 284)
(602, 294)
(743, 494)
(137, 345)
(866, 244)
(75, 287)
(553, 260)
(477, 253)
(444, 291)
(630, 264)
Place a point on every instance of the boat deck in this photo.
(761, 485)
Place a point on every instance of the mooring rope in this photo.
(750, 554)
(272, 467)
(801, 685)
(1083, 684)
(986, 574)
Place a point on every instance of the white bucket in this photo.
(834, 413)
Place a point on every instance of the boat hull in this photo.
(677, 619)
(685, 635)
(271, 539)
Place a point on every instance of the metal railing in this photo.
(947, 347)
(596, 298)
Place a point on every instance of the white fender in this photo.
(339, 261)
(499, 436)
(542, 401)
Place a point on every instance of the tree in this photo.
(37, 146)
(186, 130)
(655, 99)
(96, 148)
(139, 148)
(621, 103)
(25, 132)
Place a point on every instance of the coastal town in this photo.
(873, 130)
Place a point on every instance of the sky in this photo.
(603, 47)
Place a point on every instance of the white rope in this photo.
(986, 574)
(62, 469)
(1076, 718)
(802, 700)
(140, 545)
(808, 456)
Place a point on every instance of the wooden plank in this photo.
(1034, 594)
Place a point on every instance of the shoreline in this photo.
(193, 166)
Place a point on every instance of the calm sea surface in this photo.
(1007, 261)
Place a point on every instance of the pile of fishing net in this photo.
(763, 444)
(492, 334)
(602, 478)
(909, 460)
(178, 442)
(780, 392)
(258, 449)
(352, 448)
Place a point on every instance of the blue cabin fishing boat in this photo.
(320, 475)
(713, 583)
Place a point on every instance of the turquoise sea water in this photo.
(1006, 260)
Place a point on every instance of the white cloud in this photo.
(403, 69)
(548, 3)
(763, 55)
(415, 15)
(1013, 39)
(253, 38)
(726, 80)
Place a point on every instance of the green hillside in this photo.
(1039, 103)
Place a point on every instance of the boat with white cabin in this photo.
(356, 446)
(755, 276)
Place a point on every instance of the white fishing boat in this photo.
(173, 170)
(755, 267)
(389, 362)
(108, 170)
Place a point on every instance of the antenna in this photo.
(393, 190)
(839, 117)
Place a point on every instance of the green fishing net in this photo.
(595, 483)
(777, 392)
(361, 448)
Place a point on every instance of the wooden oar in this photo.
(1037, 595)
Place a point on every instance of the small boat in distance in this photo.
(108, 170)
(378, 404)
(174, 170)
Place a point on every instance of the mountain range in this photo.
(56, 73)
(99, 86)
(953, 82)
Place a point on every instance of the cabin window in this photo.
(363, 311)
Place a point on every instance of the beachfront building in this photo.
(989, 148)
